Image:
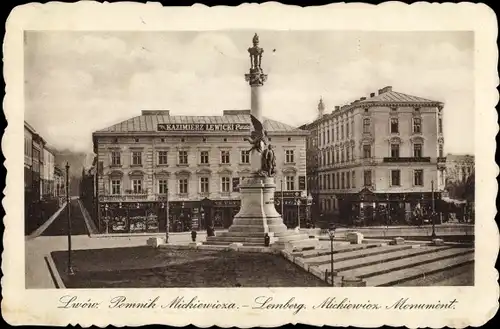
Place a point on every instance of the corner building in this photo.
(191, 165)
(373, 161)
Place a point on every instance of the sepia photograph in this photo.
(201, 159)
(250, 166)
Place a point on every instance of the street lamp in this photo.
(68, 209)
(433, 211)
(165, 206)
(298, 213)
(331, 234)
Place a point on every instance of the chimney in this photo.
(372, 95)
(362, 98)
(155, 112)
(337, 108)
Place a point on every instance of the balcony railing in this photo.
(407, 159)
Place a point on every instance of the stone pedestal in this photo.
(354, 237)
(258, 217)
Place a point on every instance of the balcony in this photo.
(406, 159)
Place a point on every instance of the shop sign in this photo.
(203, 127)
(227, 203)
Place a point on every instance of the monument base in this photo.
(258, 217)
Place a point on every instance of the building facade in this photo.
(377, 159)
(189, 167)
(459, 167)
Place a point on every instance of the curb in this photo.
(91, 229)
(265, 250)
(54, 273)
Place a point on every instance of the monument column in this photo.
(256, 79)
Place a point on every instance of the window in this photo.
(352, 152)
(162, 157)
(137, 186)
(245, 156)
(348, 179)
(224, 157)
(343, 180)
(353, 177)
(417, 125)
(418, 177)
(347, 129)
(328, 136)
(337, 128)
(367, 178)
(136, 158)
(417, 150)
(163, 186)
(394, 150)
(440, 150)
(204, 157)
(115, 158)
(366, 125)
(395, 177)
(367, 151)
(342, 131)
(116, 187)
(342, 155)
(289, 156)
(333, 181)
(337, 183)
(440, 125)
(183, 158)
(183, 186)
(328, 157)
(225, 184)
(337, 155)
(290, 183)
(394, 126)
(333, 136)
(347, 156)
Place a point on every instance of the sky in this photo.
(80, 82)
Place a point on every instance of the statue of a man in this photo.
(268, 161)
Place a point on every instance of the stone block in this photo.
(354, 237)
(195, 244)
(353, 282)
(155, 242)
(397, 241)
(235, 245)
(437, 242)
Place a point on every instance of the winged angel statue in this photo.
(259, 140)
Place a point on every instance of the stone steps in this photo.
(236, 227)
(414, 272)
(359, 254)
(231, 239)
(387, 255)
(403, 264)
(227, 243)
(336, 250)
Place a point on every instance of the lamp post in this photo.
(433, 211)
(68, 209)
(165, 206)
(298, 213)
(331, 234)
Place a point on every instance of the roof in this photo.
(394, 96)
(148, 123)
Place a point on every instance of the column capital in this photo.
(256, 79)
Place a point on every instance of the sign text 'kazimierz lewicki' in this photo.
(203, 127)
